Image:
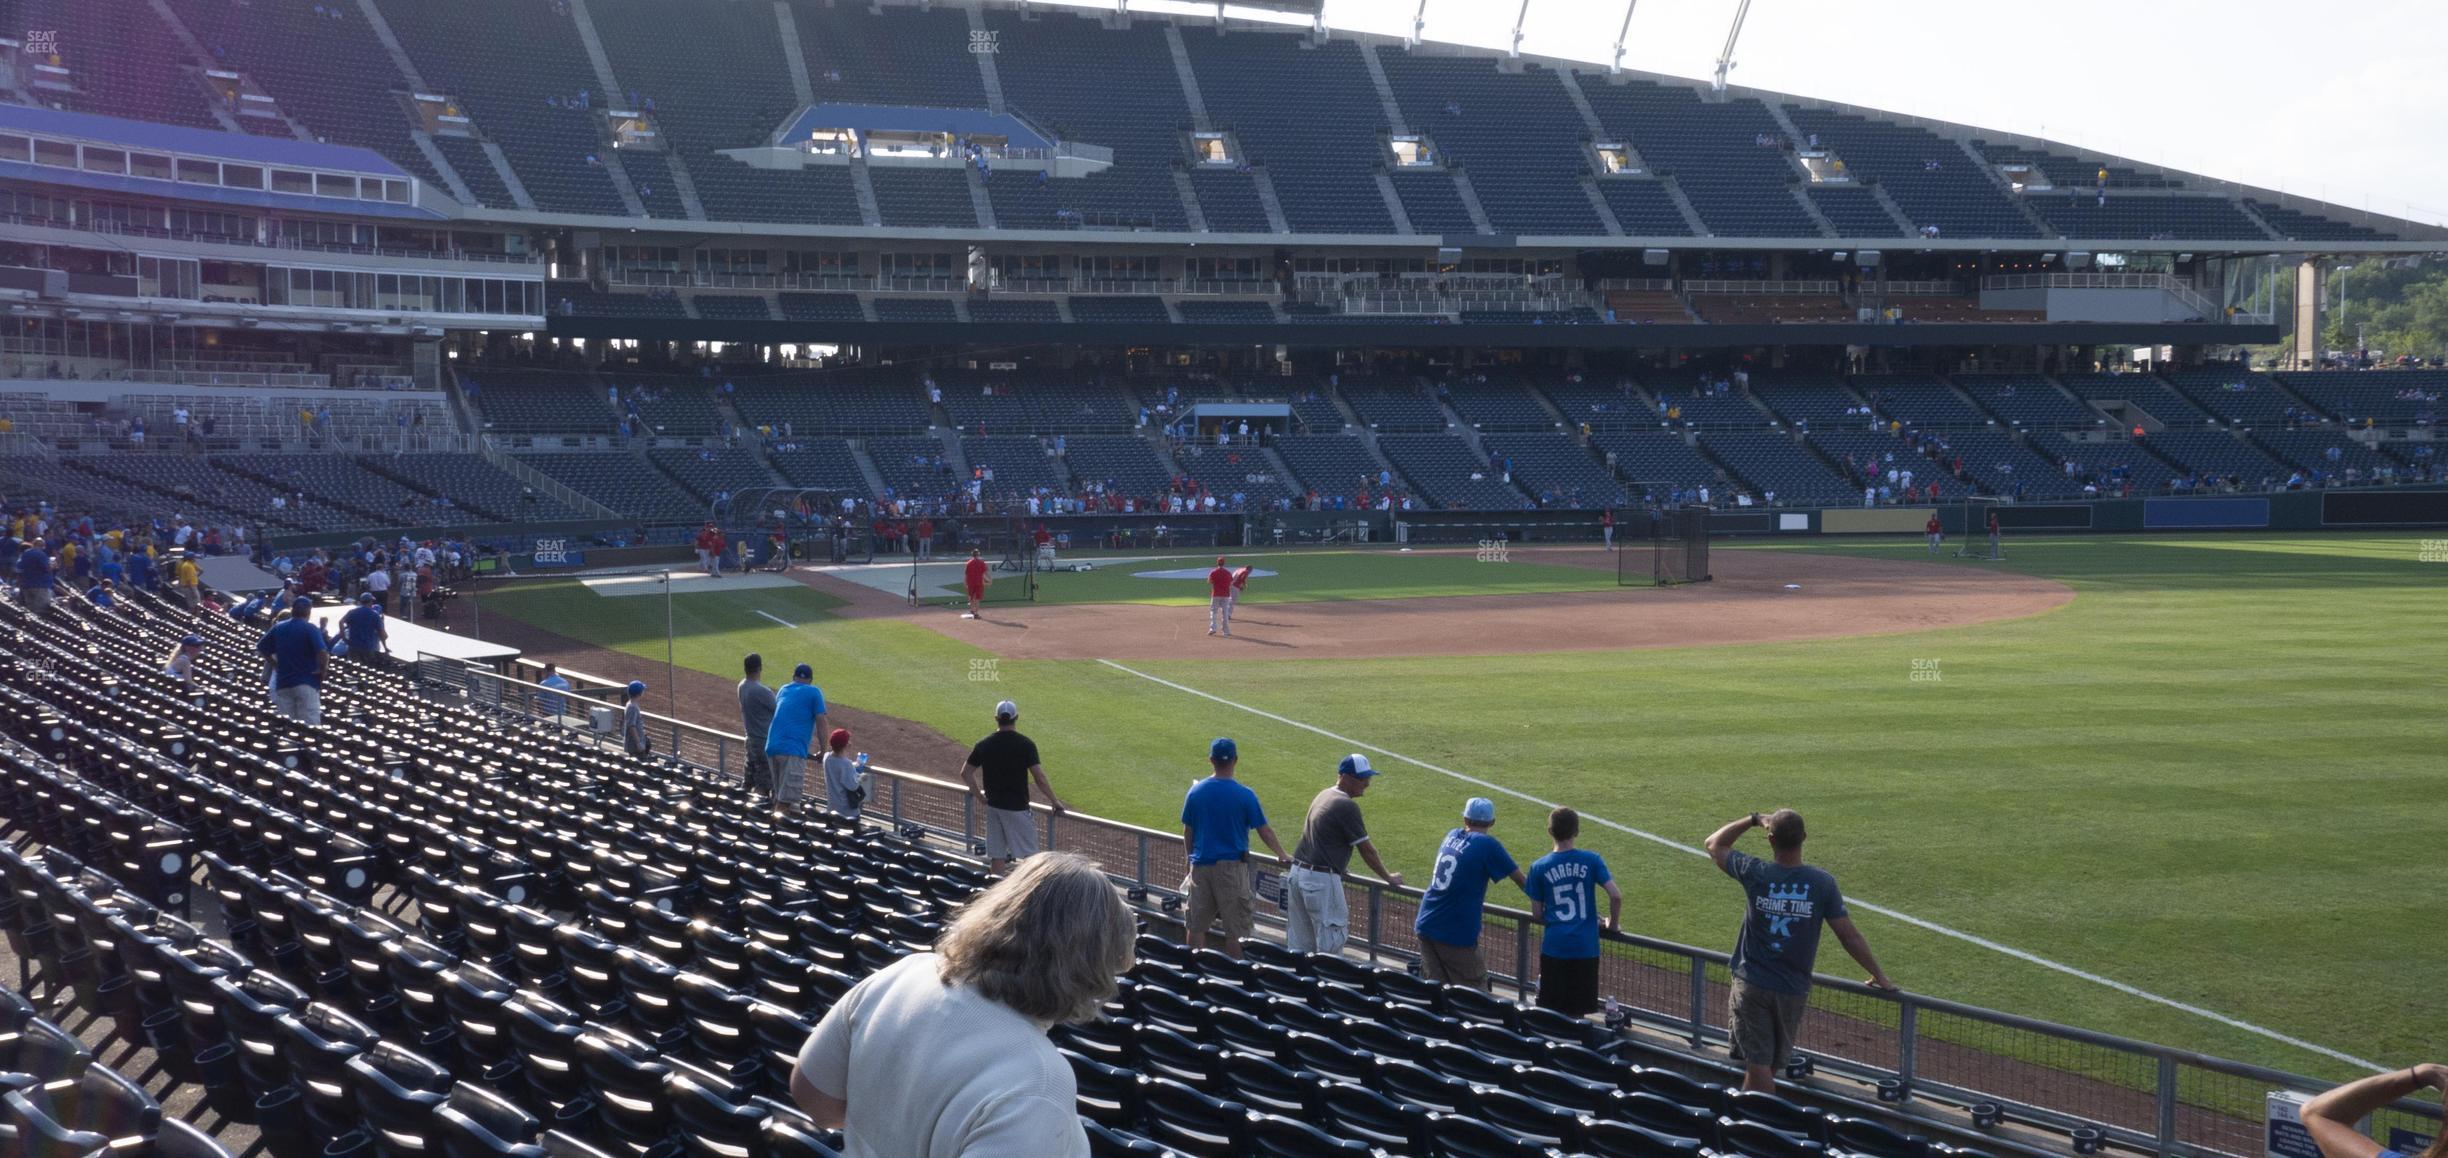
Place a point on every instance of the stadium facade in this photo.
(1498, 282)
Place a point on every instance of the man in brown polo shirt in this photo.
(1317, 915)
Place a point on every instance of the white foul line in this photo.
(774, 617)
(1881, 910)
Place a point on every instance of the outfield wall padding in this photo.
(1876, 521)
(2249, 514)
(2383, 508)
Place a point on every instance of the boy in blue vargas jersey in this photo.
(1563, 892)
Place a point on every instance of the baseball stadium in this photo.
(561, 550)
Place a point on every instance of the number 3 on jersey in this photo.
(1444, 873)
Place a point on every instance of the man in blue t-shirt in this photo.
(799, 717)
(294, 650)
(1448, 924)
(34, 576)
(1773, 955)
(1217, 817)
(1563, 891)
(363, 629)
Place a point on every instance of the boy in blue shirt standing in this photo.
(1448, 924)
(1217, 817)
(1564, 899)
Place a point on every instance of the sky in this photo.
(2345, 101)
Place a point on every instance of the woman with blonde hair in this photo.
(945, 1053)
(2331, 1117)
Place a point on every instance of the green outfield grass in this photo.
(1321, 577)
(2216, 776)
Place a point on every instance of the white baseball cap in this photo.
(1007, 710)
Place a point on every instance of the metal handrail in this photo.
(1683, 991)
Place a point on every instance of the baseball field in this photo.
(2098, 780)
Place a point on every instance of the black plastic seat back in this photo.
(1753, 1140)
(1194, 1123)
(1418, 1085)
(1874, 1139)
(1107, 1094)
(1666, 1117)
(1107, 1142)
(41, 1052)
(1607, 1139)
(474, 1122)
(1549, 1124)
(1462, 1136)
(1276, 1136)
(1775, 1113)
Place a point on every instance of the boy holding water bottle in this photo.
(845, 778)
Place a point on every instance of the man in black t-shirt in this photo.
(1006, 761)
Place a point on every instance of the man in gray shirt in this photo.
(756, 716)
(1317, 917)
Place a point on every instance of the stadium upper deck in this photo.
(991, 123)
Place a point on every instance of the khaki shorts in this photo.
(789, 777)
(1317, 914)
(300, 702)
(1010, 835)
(1766, 1023)
(1222, 894)
(1453, 964)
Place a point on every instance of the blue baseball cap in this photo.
(638, 688)
(1355, 765)
(302, 605)
(1223, 749)
(1480, 810)
(803, 672)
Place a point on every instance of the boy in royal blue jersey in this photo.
(1449, 913)
(1563, 892)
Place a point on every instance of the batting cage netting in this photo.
(940, 579)
(1977, 540)
(768, 528)
(1661, 548)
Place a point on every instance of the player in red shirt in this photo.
(705, 548)
(1606, 528)
(926, 538)
(973, 576)
(1934, 534)
(1240, 583)
(1219, 600)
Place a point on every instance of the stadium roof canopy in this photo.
(39, 121)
